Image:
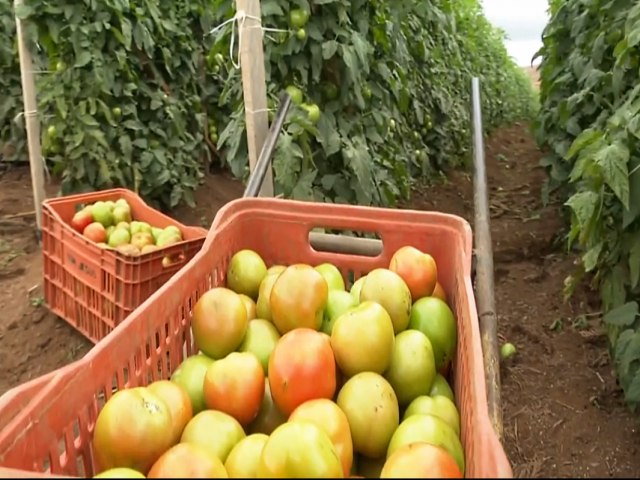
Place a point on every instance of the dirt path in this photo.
(563, 414)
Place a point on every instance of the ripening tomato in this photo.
(216, 431)
(188, 460)
(439, 292)
(132, 430)
(219, 322)
(420, 460)
(298, 298)
(269, 417)
(244, 458)
(95, 232)
(301, 368)
(331, 419)
(178, 401)
(81, 220)
(417, 269)
(235, 385)
(299, 450)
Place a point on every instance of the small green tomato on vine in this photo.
(313, 112)
(116, 112)
(392, 124)
(330, 91)
(301, 34)
(60, 66)
(295, 93)
(366, 92)
(52, 131)
(298, 18)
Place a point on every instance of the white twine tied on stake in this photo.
(240, 18)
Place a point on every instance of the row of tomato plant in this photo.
(589, 122)
(139, 93)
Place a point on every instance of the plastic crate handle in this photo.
(304, 217)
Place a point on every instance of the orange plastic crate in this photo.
(94, 289)
(53, 433)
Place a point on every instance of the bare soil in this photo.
(563, 413)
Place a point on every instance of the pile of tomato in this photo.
(299, 377)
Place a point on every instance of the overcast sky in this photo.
(523, 20)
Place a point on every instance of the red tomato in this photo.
(81, 220)
(417, 269)
(420, 460)
(95, 232)
(235, 385)
(187, 460)
(301, 368)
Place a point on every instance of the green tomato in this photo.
(218, 58)
(295, 93)
(117, 112)
(301, 34)
(366, 92)
(60, 66)
(330, 91)
(313, 112)
(213, 137)
(298, 18)
(507, 351)
(392, 124)
(52, 131)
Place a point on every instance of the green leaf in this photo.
(329, 49)
(613, 161)
(584, 205)
(24, 11)
(590, 259)
(632, 391)
(634, 262)
(587, 137)
(622, 316)
(83, 59)
(629, 215)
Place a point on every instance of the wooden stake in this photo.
(254, 86)
(31, 120)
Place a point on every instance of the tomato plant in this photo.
(12, 132)
(590, 100)
(377, 71)
(140, 96)
(124, 85)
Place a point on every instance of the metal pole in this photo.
(484, 267)
(256, 179)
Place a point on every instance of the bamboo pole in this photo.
(31, 121)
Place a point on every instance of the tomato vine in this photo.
(590, 122)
